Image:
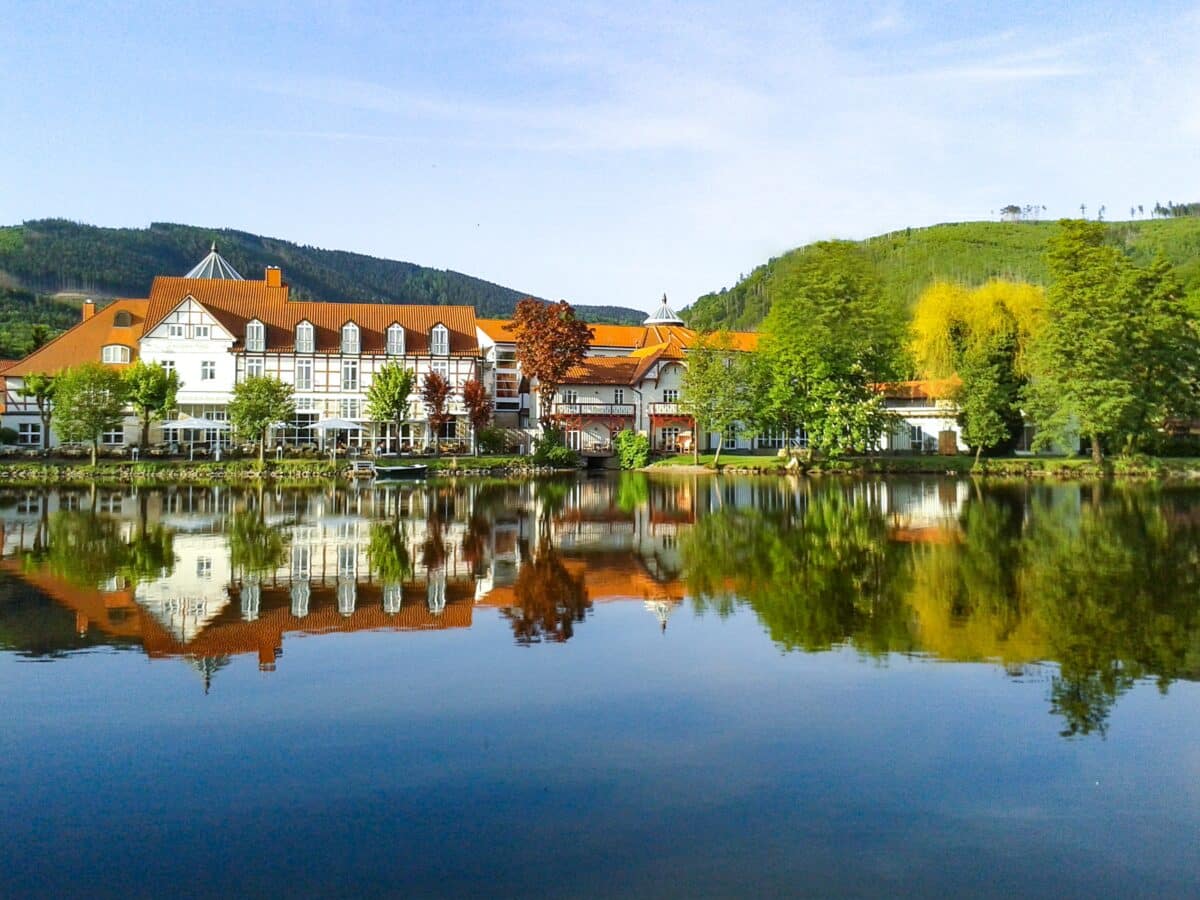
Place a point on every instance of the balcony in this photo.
(668, 409)
(593, 408)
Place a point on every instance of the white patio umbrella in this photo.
(191, 423)
(326, 425)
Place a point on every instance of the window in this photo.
(350, 408)
(573, 440)
(304, 337)
(122, 319)
(668, 439)
(350, 338)
(168, 365)
(304, 370)
(570, 396)
(256, 336)
(619, 395)
(449, 431)
(201, 332)
(349, 374)
(395, 340)
(115, 353)
(439, 340)
(175, 330)
(670, 396)
(113, 437)
(507, 385)
(29, 434)
(204, 567)
(208, 370)
(254, 367)
(441, 367)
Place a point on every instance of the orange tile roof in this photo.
(635, 337)
(6, 364)
(234, 303)
(498, 330)
(83, 342)
(930, 389)
(604, 370)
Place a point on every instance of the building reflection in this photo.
(1100, 582)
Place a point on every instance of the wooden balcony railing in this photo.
(668, 409)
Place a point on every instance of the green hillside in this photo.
(40, 259)
(970, 252)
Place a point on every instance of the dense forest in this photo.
(971, 252)
(40, 259)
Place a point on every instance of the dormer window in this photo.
(256, 336)
(350, 343)
(439, 340)
(115, 353)
(304, 337)
(395, 340)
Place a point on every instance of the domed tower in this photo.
(664, 315)
(215, 266)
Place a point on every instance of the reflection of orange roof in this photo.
(234, 303)
(606, 578)
(83, 342)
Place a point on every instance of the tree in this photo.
(550, 340)
(89, 399)
(715, 389)
(435, 393)
(387, 397)
(829, 338)
(39, 336)
(40, 388)
(980, 336)
(1118, 353)
(479, 407)
(258, 402)
(151, 390)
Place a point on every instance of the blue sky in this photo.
(600, 152)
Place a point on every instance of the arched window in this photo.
(122, 319)
(439, 340)
(395, 340)
(350, 342)
(256, 336)
(115, 353)
(304, 337)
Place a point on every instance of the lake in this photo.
(619, 686)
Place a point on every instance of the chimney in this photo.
(89, 309)
(274, 276)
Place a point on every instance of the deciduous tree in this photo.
(715, 389)
(829, 338)
(89, 399)
(258, 402)
(550, 340)
(435, 394)
(387, 397)
(40, 388)
(151, 390)
(479, 407)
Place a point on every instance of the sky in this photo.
(605, 153)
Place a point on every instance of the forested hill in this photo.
(970, 252)
(51, 256)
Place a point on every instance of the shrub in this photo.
(8, 436)
(549, 450)
(633, 449)
(492, 440)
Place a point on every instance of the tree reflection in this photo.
(255, 547)
(550, 599)
(818, 573)
(89, 549)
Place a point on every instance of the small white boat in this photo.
(398, 473)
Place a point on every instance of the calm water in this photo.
(684, 686)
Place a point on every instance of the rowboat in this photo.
(399, 473)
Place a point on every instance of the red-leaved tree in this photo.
(550, 340)
(435, 394)
(479, 407)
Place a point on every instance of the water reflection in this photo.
(1099, 582)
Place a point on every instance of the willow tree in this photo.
(977, 339)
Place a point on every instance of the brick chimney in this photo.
(274, 276)
(89, 309)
